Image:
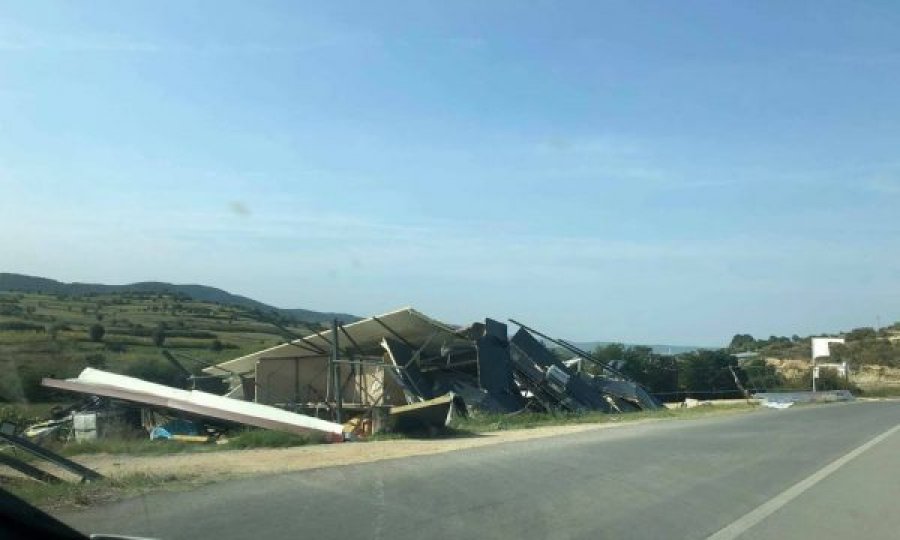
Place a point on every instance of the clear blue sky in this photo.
(669, 172)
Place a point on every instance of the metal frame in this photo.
(28, 469)
(573, 349)
(41, 452)
(393, 333)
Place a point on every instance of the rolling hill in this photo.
(23, 283)
(657, 349)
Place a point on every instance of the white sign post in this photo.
(821, 347)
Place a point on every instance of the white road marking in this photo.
(761, 512)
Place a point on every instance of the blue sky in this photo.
(669, 172)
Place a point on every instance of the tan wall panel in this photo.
(285, 380)
(304, 380)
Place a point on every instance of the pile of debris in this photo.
(404, 362)
(398, 371)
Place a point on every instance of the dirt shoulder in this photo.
(217, 465)
(278, 460)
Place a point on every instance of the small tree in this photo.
(742, 342)
(861, 334)
(153, 370)
(96, 331)
(53, 330)
(96, 361)
(159, 335)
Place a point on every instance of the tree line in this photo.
(703, 374)
(863, 346)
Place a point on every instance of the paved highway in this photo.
(829, 471)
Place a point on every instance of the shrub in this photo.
(861, 334)
(196, 334)
(155, 370)
(116, 346)
(159, 336)
(17, 415)
(830, 380)
(95, 361)
(11, 309)
(21, 326)
(263, 438)
(96, 331)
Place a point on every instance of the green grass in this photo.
(256, 438)
(460, 427)
(92, 493)
(134, 447)
(487, 423)
(880, 391)
(111, 489)
(500, 422)
(260, 438)
(128, 320)
(23, 414)
(448, 432)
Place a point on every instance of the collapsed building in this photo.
(402, 370)
(404, 358)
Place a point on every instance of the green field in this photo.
(45, 335)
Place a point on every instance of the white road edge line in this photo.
(761, 512)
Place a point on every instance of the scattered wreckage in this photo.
(378, 368)
(399, 371)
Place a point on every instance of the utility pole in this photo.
(336, 370)
(813, 367)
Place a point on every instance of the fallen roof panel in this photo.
(102, 383)
(628, 391)
(495, 370)
(408, 324)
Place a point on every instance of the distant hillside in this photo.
(203, 293)
(658, 349)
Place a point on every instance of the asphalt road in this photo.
(809, 472)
